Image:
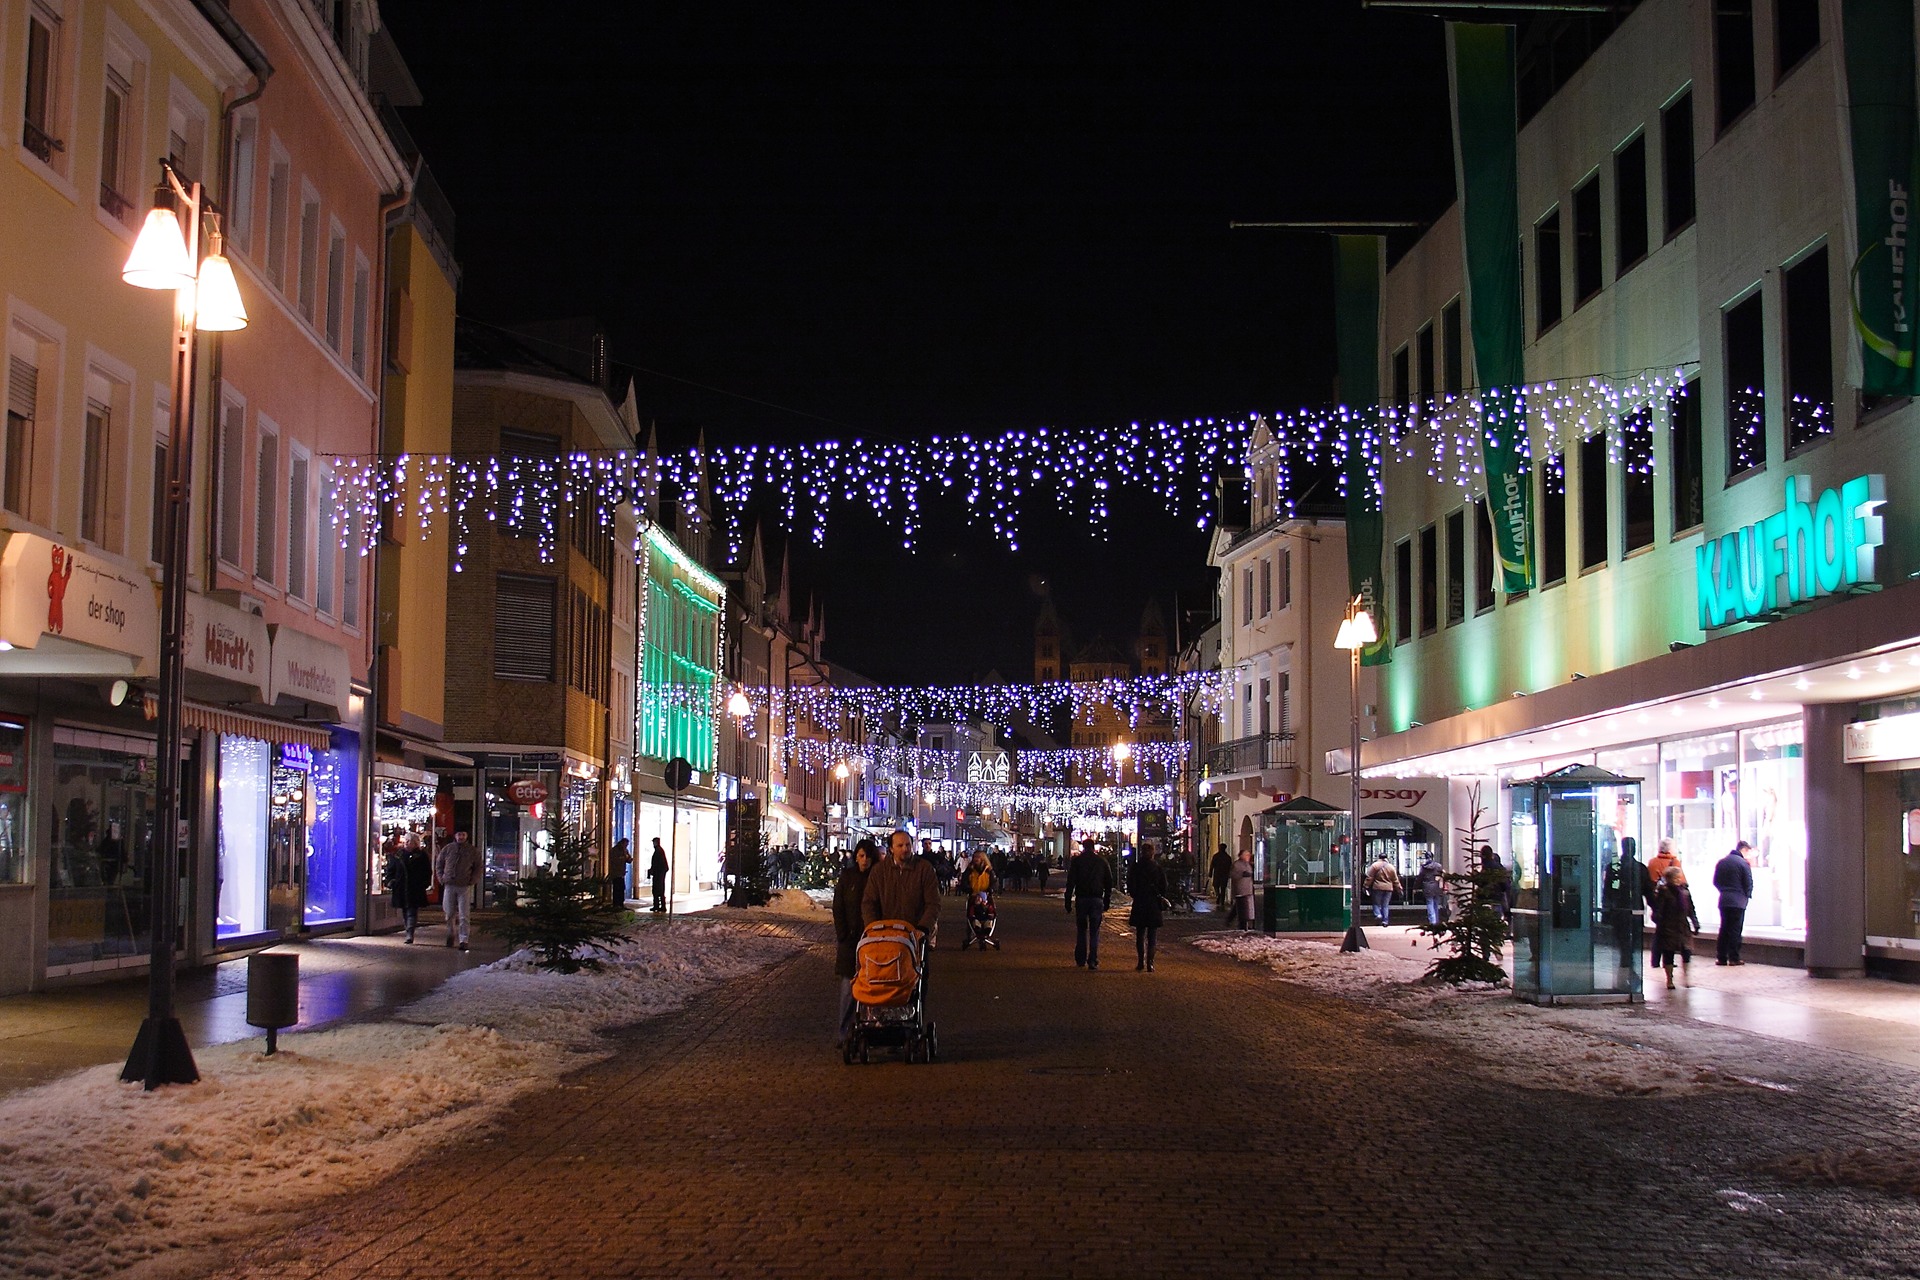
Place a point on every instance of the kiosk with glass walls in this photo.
(1578, 875)
(1300, 851)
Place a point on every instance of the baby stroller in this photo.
(980, 922)
(889, 993)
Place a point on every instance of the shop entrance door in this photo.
(287, 820)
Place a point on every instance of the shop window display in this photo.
(100, 806)
(332, 847)
(1721, 788)
(16, 863)
(1893, 882)
(245, 765)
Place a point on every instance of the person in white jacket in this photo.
(1241, 884)
(456, 869)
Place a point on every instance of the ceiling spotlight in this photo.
(1713, 702)
(1757, 694)
(1884, 666)
(1803, 684)
(1675, 646)
(1853, 673)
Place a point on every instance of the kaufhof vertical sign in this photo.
(1815, 545)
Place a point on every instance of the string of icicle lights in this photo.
(1137, 700)
(1145, 760)
(995, 479)
(1048, 802)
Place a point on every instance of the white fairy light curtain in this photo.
(994, 479)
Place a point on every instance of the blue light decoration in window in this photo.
(333, 845)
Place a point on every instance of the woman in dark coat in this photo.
(847, 925)
(1674, 923)
(409, 872)
(1147, 883)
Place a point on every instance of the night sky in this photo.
(890, 221)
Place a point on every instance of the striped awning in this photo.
(220, 720)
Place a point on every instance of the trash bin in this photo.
(273, 992)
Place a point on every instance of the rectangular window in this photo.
(1796, 34)
(336, 287)
(1266, 587)
(362, 300)
(1636, 481)
(96, 461)
(1676, 162)
(529, 460)
(1402, 591)
(40, 126)
(1423, 346)
(299, 511)
(1457, 568)
(239, 223)
(232, 461)
(1402, 379)
(1286, 702)
(1745, 353)
(1452, 355)
(1266, 705)
(1733, 57)
(1285, 575)
(352, 557)
(116, 134)
(1546, 271)
(1553, 521)
(186, 134)
(1484, 567)
(266, 507)
(1586, 240)
(157, 534)
(309, 256)
(1246, 595)
(1685, 449)
(326, 545)
(1630, 205)
(23, 411)
(523, 620)
(1429, 579)
(1809, 342)
(279, 197)
(1593, 501)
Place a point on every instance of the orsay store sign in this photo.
(1813, 547)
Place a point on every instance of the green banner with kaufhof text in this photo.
(1356, 322)
(1881, 113)
(1486, 172)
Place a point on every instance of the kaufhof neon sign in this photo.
(1813, 547)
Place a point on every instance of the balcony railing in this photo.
(1246, 755)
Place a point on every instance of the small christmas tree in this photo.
(1476, 928)
(747, 862)
(560, 911)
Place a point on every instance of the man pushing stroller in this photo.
(903, 887)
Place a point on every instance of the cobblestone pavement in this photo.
(1200, 1120)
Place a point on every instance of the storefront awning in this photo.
(791, 816)
(220, 720)
(107, 612)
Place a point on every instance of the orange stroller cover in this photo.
(887, 963)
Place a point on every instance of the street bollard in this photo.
(273, 993)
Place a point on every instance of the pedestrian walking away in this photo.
(1733, 877)
(1382, 883)
(847, 925)
(657, 872)
(409, 875)
(1433, 887)
(1674, 924)
(1090, 881)
(1221, 871)
(618, 859)
(1147, 885)
(1242, 886)
(456, 868)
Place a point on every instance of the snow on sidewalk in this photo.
(97, 1176)
(1606, 1050)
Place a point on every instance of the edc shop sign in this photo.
(1812, 547)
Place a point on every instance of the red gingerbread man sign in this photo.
(57, 590)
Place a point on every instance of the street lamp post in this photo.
(1356, 633)
(206, 298)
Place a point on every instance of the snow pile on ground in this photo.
(798, 903)
(1580, 1050)
(98, 1176)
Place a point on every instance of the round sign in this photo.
(678, 773)
(527, 792)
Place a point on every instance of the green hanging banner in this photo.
(1486, 175)
(1881, 107)
(1356, 322)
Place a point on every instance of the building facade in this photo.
(1686, 208)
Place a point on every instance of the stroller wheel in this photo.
(933, 1043)
(846, 1051)
(865, 1057)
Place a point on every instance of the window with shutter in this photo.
(232, 461)
(523, 618)
(23, 395)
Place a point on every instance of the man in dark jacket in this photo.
(1090, 879)
(657, 872)
(902, 887)
(1733, 877)
(1221, 869)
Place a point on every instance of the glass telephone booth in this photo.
(1577, 910)
(1300, 851)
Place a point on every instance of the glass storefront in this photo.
(333, 844)
(16, 863)
(288, 844)
(101, 802)
(245, 788)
